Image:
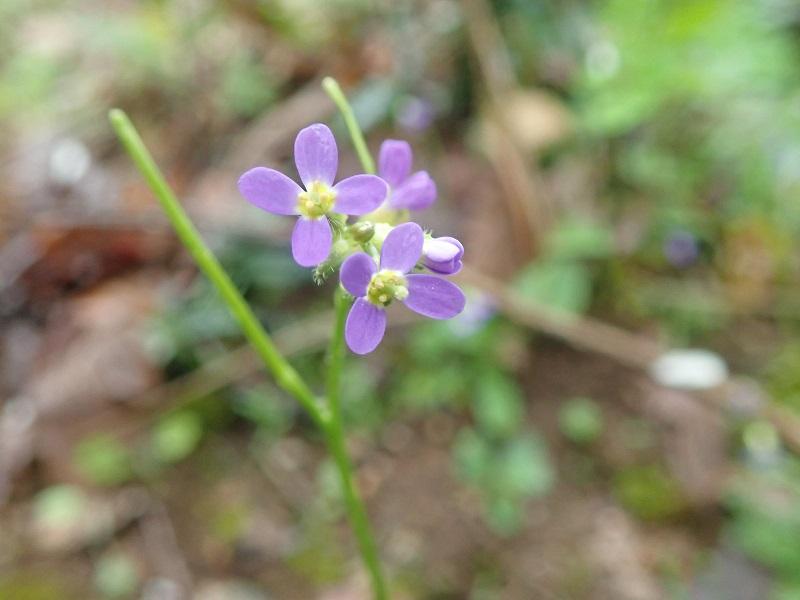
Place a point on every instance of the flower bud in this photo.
(362, 231)
(381, 231)
(442, 255)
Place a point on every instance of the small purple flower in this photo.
(442, 255)
(376, 287)
(316, 158)
(681, 249)
(415, 114)
(414, 191)
(477, 313)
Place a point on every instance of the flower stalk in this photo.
(336, 439)
(326, 416)
(334, 91)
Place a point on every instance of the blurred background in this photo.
(624, 175)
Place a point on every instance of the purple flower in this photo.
(681, 249)
(317, 158)
(415, 114)
(477, 313)
(414, 191)
(442, 255)
(376, 287)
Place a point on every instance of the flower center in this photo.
(317, 201)
(386, 286)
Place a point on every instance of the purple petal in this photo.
(360, 194)
(315, 155)
(270, 190)
(311, 241)
(394, 162)
(402, 247)
(356, 272)
(365, 327)
(443, 255)
(434, 297)
(415, 193)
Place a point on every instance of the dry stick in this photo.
(585, 333)
(527, 210)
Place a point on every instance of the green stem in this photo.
(337, 444)
(335, 356)
(328, 419)
(334, 90)
(336, 435)
(284, 373)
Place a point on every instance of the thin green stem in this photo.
(285, 375)
(334, 90)
(338, 447)
(336, 436)
(335, 356)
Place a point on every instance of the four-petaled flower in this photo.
(377, 286)
(316, 158)
(413, 191)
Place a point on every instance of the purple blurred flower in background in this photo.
(478, 311)
(317, 159)
(681, 249)
(415, 114)
(442, 255)
(377, 286)
(414, 191)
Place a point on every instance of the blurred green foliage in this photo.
(649, 492)
(59, 506)
(176, 436)
(103, 459)
(500, 454)
(765, 502)
(116, 575)
(580, 420)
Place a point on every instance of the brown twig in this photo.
(581, 332)
(527, 210)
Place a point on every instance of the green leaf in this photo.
(770, 541)
(574, 240)
(497, 404)
(176, 436)
(786, 591)
(524, 468)
(103, 459)
(560, 285)
(472, 455)
(504, 516)
(116, 575)
(246, 90)
(580, 420)
(264, 407)
(59, 506)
